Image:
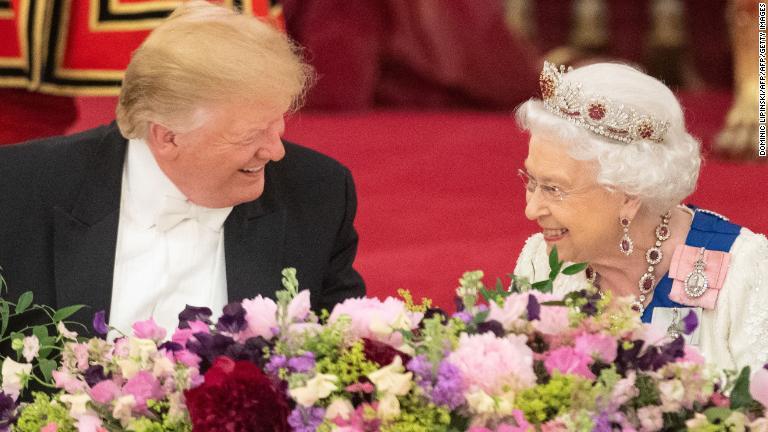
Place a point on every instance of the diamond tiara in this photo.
(596, 113)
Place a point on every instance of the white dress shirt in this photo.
(170, 252)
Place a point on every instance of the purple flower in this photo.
(492, 326)
(95, 374)
(209, 347)
(533, 308)
(422, 370)
(602, 423)
(194, 313)
(449, 388)
(302, 363)
(464, 316)
(170, 346)
(306, 419)
(276, 362)
(100, 323)
(233, 319)
(7, 412)
(690, 322)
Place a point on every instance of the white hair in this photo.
(660, 174)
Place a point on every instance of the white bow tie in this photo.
(176, 210)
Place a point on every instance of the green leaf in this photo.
(66, 312)
(41, 332)
(740, 397)
(553, 258)
(481, 317)
(5, 315)
(47, 367)
(717, 415)
(24, 301)
(544, 286)
(574, 268)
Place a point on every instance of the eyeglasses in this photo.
(550, 193)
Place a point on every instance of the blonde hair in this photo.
(203, 55)
(660, 174)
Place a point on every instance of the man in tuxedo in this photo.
(191, 197)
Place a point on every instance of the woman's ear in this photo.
(162, 142)
(630, 207)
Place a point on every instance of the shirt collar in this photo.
(147, 189)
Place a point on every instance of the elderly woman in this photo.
(609, 162)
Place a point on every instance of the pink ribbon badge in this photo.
(684, 264)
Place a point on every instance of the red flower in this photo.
(237, 397)
(381, 353)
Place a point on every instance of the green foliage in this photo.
(41, 412)
(648, 392)
(349, 365)
(740, 396)
(415, 416)
(544, 402)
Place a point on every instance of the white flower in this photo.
(31, 348)
(64, 332)
(391, 380)
(339, 407)
(15, 377)
(319, 387)
(163, 367)
(128, 368)
(141, 349)
(78, 404)
(480, 402)
(389, 407)
(380, 328)
(123, 406)
(672, 393)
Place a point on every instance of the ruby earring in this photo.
(626, 245)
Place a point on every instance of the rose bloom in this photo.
(377, 320)
(490, 363)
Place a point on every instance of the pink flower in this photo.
(105, 391)
(187, 358)
(89, 423)
(198, 326)
(149, 330)
(479, 429)
(81, 355)
(143, 386)
(554, 426)
(377, 320)
(651, 419)
(758, 386)
(625, 389)
(261, 316)
(490, 363)
(50, 427)
(522, 424)
(599, 346)
(691, 355)
(553, 320)
(299, 307)
(566, 360)
(181, 336)
(68, 382)
(511, 314)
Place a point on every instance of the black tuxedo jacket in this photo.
(59, 211)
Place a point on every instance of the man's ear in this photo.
(630, 207)
(162, 142)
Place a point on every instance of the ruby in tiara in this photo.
(594, 112)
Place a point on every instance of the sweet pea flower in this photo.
(141, 349)
(81, 355)
(123, 408)
(299, 307)
(143, 386)
(511, 314)
(651, 419)
(567, 360)
(672, 393)
(388, 408)
(391, 379)
(600, 346)
(89, 423)
(50, 427)
(67, 381)
(78, 404)
(318, 387)
(148, 330)
(339, 408)
(758, 386)
(480, 402)
(105, 392)
(378, 320)
(31, 348)
(65, 332)
(15, 376)
(261, 317)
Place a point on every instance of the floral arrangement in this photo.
(516, 359)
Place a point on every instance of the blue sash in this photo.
(709, 231)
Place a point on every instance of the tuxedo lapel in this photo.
(85, 235)
(254, 237)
